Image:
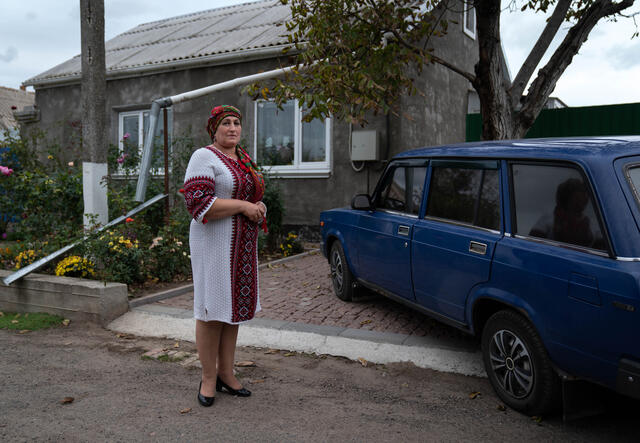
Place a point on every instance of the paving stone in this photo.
(300, 290)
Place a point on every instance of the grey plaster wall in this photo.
(433, 118)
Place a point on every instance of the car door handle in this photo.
(403, 230)
(477, 248)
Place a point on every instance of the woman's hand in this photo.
(253, 211)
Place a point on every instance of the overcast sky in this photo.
(36, 35)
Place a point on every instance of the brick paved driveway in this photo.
(300, 290)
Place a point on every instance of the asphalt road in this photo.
(119, 396)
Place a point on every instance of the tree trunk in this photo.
(94, 111)
(489, 83)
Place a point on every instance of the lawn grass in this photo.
(31, 321)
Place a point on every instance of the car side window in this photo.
(555, 203)
(402, 189)
(469, 195)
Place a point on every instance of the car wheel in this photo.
(340, 273)
(518, 365)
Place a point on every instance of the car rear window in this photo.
(555, 203)
(634, 178)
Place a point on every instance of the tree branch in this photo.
(548, 76)
(427, 56)
(538, 51)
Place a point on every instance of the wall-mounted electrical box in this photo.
(364, 146)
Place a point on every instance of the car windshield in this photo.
(634, 178)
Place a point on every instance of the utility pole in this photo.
(94, 112)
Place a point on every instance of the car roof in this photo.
(539, 148)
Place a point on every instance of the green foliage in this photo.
(275, 212)
(290, 245)
(45, 196)
(355, 52)
(168, 255)
(31, 321)
(116, 253)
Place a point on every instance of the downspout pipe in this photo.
(160, 103)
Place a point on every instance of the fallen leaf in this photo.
(66, 322)
(245, 364)
(537, 419)
(289, 354)
(272, 351)
(501, 408)
(318, 287)
(67, 400)
(185, 410)
(405, 385)
(26, 315)
(473, 395)
(365, 322)
(16, 316)
(255, 382)
(363, 362)
(1, 314)
(14, 321)
(24, 331)
(176, 345)
(67, 343)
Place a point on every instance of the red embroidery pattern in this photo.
(198, 193)
(244, 244)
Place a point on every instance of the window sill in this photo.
(297, 173)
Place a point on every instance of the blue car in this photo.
(532, 245)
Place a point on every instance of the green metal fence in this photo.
(570, 122)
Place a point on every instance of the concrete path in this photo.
(301, 313)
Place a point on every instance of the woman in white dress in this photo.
(223, 191)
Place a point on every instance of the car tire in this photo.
(341, 276)
(517, 364)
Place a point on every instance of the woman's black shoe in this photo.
(205, 401)
(242, 392)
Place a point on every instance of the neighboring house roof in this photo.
(13, 100)
(248, 30)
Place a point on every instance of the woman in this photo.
(223, 191)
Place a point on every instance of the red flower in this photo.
(128, 220)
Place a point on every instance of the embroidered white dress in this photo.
(224, 254)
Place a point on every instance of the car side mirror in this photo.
(361, 201)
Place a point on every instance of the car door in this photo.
(557, 263)
(453, 245)
(384, 234)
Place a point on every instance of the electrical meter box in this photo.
(364, 146)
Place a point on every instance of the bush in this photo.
(290, 245)
(74, 266)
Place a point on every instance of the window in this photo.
(288, 147)
(132, 130)
(469, 20)
(633, 173)
(555, 203)
(465, 193)
(402, 190)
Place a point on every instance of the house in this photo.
(13, 101)
(312, 161)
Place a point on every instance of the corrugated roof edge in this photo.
(198, 13)
(219, 59)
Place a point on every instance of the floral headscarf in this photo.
(218, 114)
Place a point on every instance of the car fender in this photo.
(333, 234)
(483, 293)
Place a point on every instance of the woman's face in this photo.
(228, 133)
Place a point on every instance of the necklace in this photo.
(225, 154)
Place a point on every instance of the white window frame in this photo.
(298, 169)
(469, 10)
(140, 113)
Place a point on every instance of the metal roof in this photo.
(202, 37)
(13, 100)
